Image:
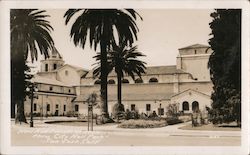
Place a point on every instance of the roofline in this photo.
(189, 47)
(188, 90)
(71, 67)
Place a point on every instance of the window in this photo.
(46, 67)
(35, 107)
(195, 52)
(132, 107)
(64, 107)
(50, 88)
(54, 66)
(139, 80)
(48, 107)
(160, 111)
(185, 106)
(153, 80)
(195, 106)
(125, 81)
(57, 106)
(76, 108)
(148, 107)
(111, 81)
(69, 90)
(66, 72)
(97, 81)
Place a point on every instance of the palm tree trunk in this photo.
(17, 80)
(20, 117)
(119, 88)
(104, 76)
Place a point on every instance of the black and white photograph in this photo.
(142, 77)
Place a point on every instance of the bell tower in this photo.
(52, 63)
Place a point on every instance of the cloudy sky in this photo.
(162, 33)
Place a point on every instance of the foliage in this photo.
(172, 110)
(142, 124)
(131, 114)
(197, 119)
(225, 66)
(99, 25)
(153, 115)
(123, 60)
(29, 34)
(92, 98)
(118, 110)
(173, 120)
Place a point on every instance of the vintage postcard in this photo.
(116, 77)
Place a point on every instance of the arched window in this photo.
(195, 106)
(125, 81)
(66, 72)
(139, 80)
(111, 81)
(153, 80)
(97, 81)
(54, 66)
(46, 67)
(48, 107)
(185, 106)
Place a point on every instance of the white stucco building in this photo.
(64, 88)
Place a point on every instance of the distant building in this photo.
(64, 88)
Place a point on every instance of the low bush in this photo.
(173, 120)
(132, 124)
(131, 115)
(185, 118)
(118, 110)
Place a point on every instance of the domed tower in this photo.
(54, 61)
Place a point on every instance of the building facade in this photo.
(186, 84)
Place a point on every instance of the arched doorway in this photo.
(185, 106)
(195, 106)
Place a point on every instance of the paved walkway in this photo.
(171, 130)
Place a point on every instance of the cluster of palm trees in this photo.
(30, 33)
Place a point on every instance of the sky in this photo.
(161, 33)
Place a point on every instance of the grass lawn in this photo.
(211, 127)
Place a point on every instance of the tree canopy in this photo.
(30, 33)
(225, 65)
(100, 26)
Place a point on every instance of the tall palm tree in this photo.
(30, 33)
(122, 60)
(100, 24)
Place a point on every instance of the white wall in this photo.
(72, 78)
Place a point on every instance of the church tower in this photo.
(52, 63)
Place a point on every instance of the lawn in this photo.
(211, 127)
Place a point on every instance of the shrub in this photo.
(37, 114)
(70, 114)
(172, 110)
(118, 110)
(132, 124)
(131, 115)
(153, 115)
(173, 120)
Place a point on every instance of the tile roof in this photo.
(151, 70)
(51, 81)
